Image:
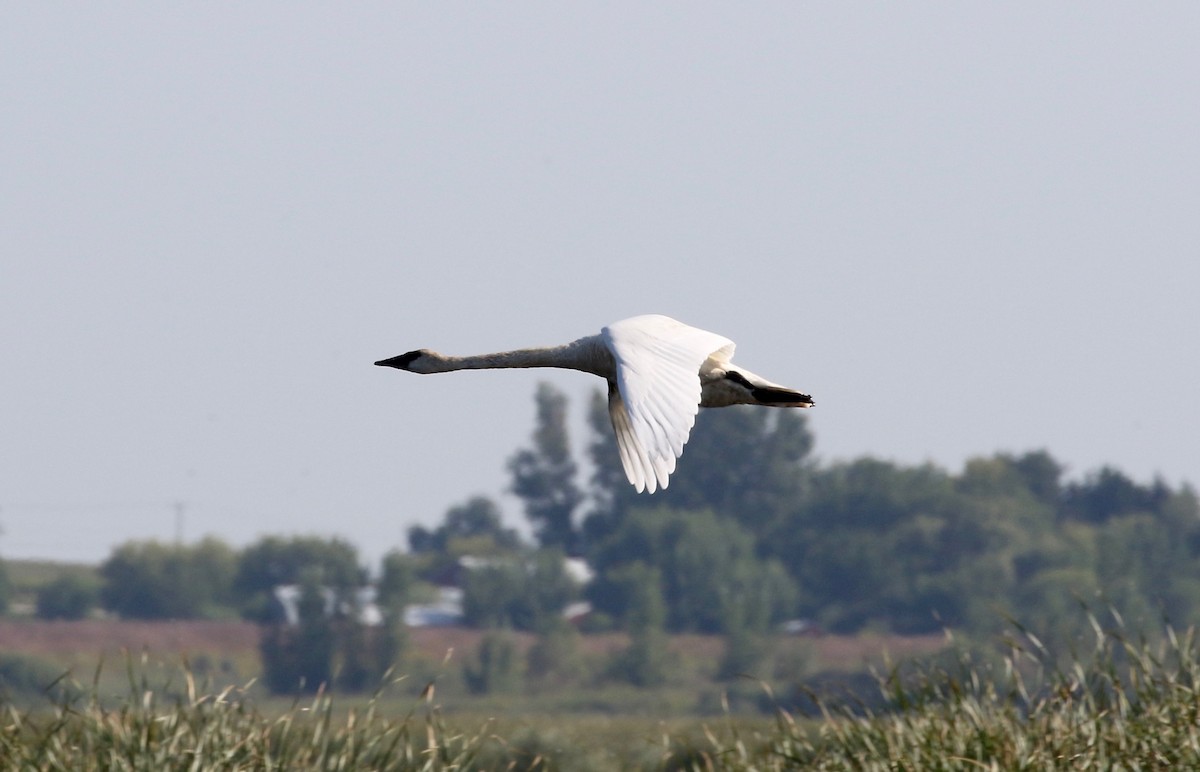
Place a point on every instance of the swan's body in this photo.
(659, 373)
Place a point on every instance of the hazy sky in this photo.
(962, 227)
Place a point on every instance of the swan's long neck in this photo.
(586, 354)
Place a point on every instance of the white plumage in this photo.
(659, 373)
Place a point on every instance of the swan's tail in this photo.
(777, 396)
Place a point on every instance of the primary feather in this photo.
(658, 362)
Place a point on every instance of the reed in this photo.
(1118, 700)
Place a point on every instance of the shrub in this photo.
(496, 667)
(70, 596)
(24, 677)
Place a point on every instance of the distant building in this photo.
(804, 628)
(576, 612)
(445, 611)
(579, 570)
(287, 599)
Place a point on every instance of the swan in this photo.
(659, 373)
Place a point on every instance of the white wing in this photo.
(658, 380)
(633, 457)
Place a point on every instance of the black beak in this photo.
(400, 362)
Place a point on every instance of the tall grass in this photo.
(1123, 703)
(185, 729)
(1119, 701)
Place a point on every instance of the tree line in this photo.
(753, 531)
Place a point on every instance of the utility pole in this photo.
(179, 507)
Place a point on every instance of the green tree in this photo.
(300, 658)
(151, 580)
(494, 594)
(747, 464)
(746, 647)
(70, 596)
(544, 475)
(521, 592)
(1108, 493)
(274, 561)
(496, 668)
(871, 541)
(551, 588)
(1048, 604)
(391, 640)
(397, 581)
(474, 526)
(331, 643)
(1042, 475)
(707, 565)
(356, 662)
(645, 662)
(1138, 563)
(555, 659)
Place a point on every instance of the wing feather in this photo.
(633, 458)
(658, 391)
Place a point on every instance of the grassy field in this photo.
(1117, 704)
(226, 653)
(181, 696)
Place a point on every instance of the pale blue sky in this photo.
(962, 227)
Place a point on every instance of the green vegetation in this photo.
(69, 596)
(300, 560)
(688, 594)
(24, 678)
(1116, 703)
(150, 580)
(496, 667)
(1121, 703)
(27, 580)
(6, 589)
(752, 532)
(544, 475)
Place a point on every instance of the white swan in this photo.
(659, 373)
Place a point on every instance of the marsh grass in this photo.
(1117, 700)
(182, 727)
(1122, 703)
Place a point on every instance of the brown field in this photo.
(85, 641)
(94, 637)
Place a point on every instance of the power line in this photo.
(80, 506)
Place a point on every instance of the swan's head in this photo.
(420, 361)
